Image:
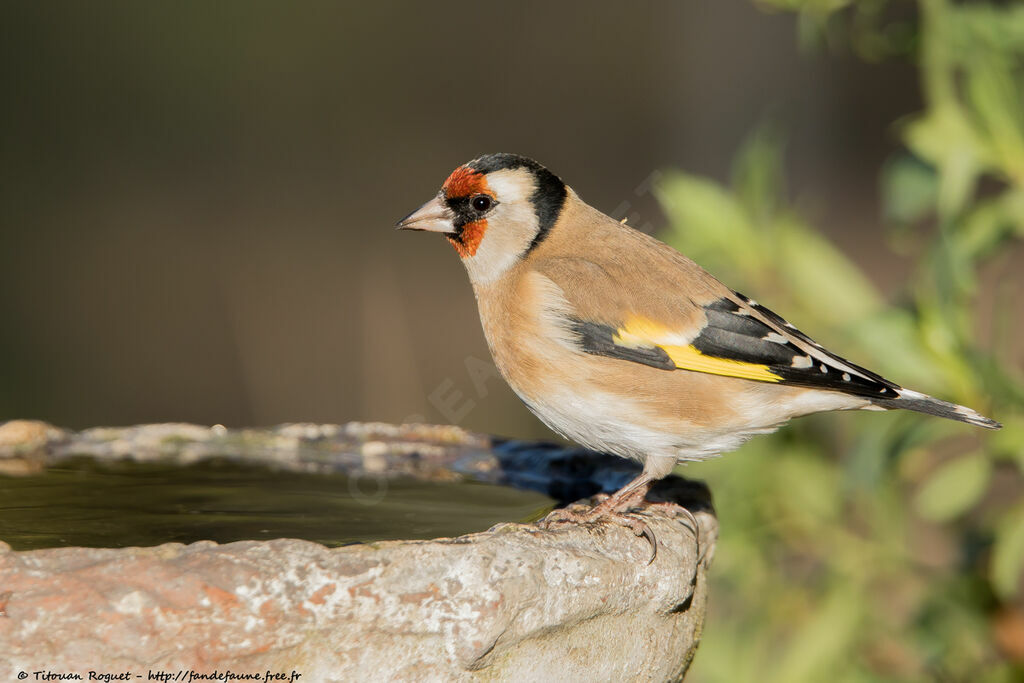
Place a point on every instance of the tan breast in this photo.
(537, 355)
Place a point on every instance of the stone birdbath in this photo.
(511, 602)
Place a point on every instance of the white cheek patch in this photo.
(512, 186)
(511, 226)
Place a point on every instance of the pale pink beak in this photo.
(434, 216)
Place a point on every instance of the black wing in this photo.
(759, 344)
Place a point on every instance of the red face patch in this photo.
(463, 182)
(466, 182)
(468, 241)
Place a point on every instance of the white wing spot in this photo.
(846, 377)
(776, 338)
(823, 368)
(801, 362)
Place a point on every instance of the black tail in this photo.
(922, 403)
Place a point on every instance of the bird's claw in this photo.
(646, 532)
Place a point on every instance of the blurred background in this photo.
(198, 203)
(197, 225)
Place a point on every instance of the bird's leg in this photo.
(629, 496)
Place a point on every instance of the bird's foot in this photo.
(614, 509)
(593, 516)
(618, 509)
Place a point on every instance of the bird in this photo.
(622, 344)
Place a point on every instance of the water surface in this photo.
(84, 503)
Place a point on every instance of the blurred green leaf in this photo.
(757, 173)
(1013, 206)
(709, 220)
(989, 222)
(954, 487)
(944, 138)
(820, 642)
(987, 26)
(822, 278)
(1009, 441)
(991, 91)
(809, 486)
(1008, 555)
(910, 188)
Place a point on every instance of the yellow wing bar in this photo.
(689, 358)
(640, 333)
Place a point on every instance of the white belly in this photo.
(603, 423)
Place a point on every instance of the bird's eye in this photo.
(481, 203)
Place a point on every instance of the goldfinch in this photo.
(622, 344)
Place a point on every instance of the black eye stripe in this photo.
(465, 211)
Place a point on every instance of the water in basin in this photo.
(84, 503)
